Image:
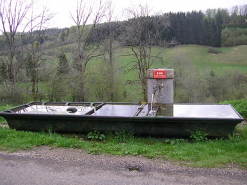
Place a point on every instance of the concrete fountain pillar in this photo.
(160, 85)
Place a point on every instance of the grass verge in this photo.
(2, 108)
(211, 153)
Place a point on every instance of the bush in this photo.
(95, 135)
(193, 86)
(234, 36)
(213, 50)
(239, 105)
(199, 135)
(11, 94)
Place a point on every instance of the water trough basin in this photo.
(168, 120)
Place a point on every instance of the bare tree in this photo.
(142, 33)
(12, 14)
(36, 52)
(17, 18)
(87, 16)
(111, 29)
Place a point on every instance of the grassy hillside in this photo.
(232, 57)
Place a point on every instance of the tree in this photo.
(36, 52)
(87, 16)
(225, 15)
(3, 71)
(111, 30)
(12, 14)
(63, 64)
(110, 52)
(142, 33)
(18, 18)
(61, 36)
(234, 14)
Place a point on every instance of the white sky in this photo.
(62, 7)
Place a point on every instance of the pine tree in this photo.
(63, 65)
(29, 66)
(3, 72)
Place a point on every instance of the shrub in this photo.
(233, 36)
(239, 105)
(199, 135)
(95, 135)
(213, 50)
(11, 94)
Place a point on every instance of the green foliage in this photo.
(123, 137)
(195, 82)
(239, 105)
(213, 50)
(234, 36)
(95, 135)
(2, 120)
(3, 108)
(176, 141)
(57, 88)
(102, 84)
(218, 152)
(63, 64)
(36, 45)
(243, 132)
(30, 67)
(11, 94)
(195, 28)
(62, 36)
(3, 72)
(198, 135)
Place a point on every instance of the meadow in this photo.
(196, 63)
(230, 57)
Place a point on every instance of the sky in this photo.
(62, 8)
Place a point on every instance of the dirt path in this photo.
(72, 166)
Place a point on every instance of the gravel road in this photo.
(44, 165)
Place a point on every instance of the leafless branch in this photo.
(142, 32)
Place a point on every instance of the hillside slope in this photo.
(231, 57)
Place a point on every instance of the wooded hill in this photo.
(211, 28)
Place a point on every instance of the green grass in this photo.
(212, 153)
(2, 108)
(239, 105)
(232, 57)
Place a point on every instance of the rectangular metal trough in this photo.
(169, 120)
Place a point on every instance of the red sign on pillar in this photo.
(159, 73)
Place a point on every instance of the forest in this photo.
(107, 61)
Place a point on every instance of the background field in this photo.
(229, 60)
(230, 57)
